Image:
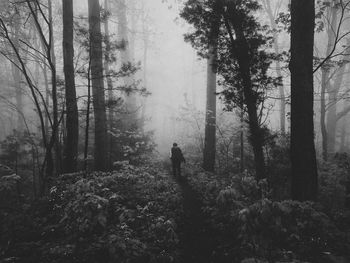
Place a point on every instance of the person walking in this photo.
(176, 159)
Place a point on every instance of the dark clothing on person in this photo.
(176, 168)
(176, 158)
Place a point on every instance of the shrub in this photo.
(269, 229)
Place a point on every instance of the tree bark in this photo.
(98, 93)
(47, 95)
(242, 163)
(144, 68)
(109, 84)
(210, 116)
(87, 120)
(72, 118)
(17, 81)
(51, 58)
(324, 84)
(278, 67)
(342, 146)
(303, 155)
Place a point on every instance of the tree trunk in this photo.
(303, 154)
(333, 100)
(111, 98)
(242, 140)
(51, 57)
(16, 74)
(145, 38)
(87, 120)
(325, 83)
(332, 109)
(210, 116)
(278, 67)
(72, 119)
(98, 92)
(342, 147)
(47, 96)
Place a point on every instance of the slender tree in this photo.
(333, 99)
(72, 118)
(272, 18)
(98, 93)
(303, 154)
(50, 47)
(210, 116)
(107, 62)
(16, 73)
(325, 79)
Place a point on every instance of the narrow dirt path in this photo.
(196, 239)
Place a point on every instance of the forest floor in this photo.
(144, 214)
(197, 238)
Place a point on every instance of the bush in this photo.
(251, 226)
(333, 176)
(124, 216)
(270, 229)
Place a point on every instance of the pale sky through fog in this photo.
(173, 69)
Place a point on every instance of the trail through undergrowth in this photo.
(197, 239)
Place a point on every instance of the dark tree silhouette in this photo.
(210, 116)
(98, 92)
(303, 155)
(72, 119)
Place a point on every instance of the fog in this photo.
(171, 71)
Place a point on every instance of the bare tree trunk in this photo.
(324, 83)
(98, 85)
(242, 165)
(51, 59)
(109, 84)
(145, 32)
(87, 121)
(303, 154)
(19, 98)
(278, 66)
(72, 118)
(210, 116)
(16, 74)
(325, 86)
(48, 165)
(333, 99)
(332, 109)
(342, 146)
(46, 170)
(47, 95)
